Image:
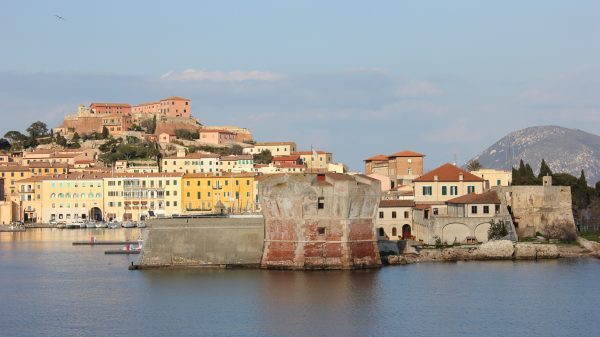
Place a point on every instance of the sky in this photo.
(356, 78)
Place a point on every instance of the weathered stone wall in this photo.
(301, 235)
(539, 208)
(203, 242)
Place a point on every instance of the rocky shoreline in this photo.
(499, 250)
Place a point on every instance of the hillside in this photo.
(565, 150)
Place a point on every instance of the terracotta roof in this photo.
(407, 153)
(238, 157)
(396, 203)
(175, 98)
(379, 157)
(274, 143)
(221, 175)
(305, 153)
(490, 197)
(195, 155)
(144, 175)
(9, 168)
(216, 130)
(448, 172)
(111, 104)
(44, 164)
(286, 158)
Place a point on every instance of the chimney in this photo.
(460, 176)
(435, 178)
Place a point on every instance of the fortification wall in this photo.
(545, 209)
(319, 221)
(203, 242)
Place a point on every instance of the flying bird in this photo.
(59, 17)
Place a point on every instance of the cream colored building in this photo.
(315, 159)
(276, 148)
(69, 197)
(444, 183)
(192, 163)
(237, 164)
(394, 219)
(494, 177)
(137, 196)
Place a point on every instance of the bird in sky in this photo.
(59, 17)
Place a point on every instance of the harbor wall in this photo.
(203, 242)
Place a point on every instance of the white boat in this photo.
(75, 224)
(114, 224)
(141, 224)
(128, 224)
(101, 224)
(61, 225)
(90, 224)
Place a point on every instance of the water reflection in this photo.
(49, 287)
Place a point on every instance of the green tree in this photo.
(265, 157)
(497, 230)
(16, 138)
(60, 140)
(75, 138)
(105, 133)
(473, 165)
(544, 170)
(598, 189)
(4, 144)
(37, 129)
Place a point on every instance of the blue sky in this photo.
(445, 78)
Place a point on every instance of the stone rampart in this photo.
(319, 221)
(235, 241)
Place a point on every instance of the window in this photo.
(444, 190)
(380, 214)
(320, 202)
(198, 195)
(497, 208)
(427, 190)
(470, 189)
(393, 214)
(394, 231)
(486, 209)
(453, 190)
(435, 211)
(381, 231)
(405, 214)
(321, 230)
(474, 209)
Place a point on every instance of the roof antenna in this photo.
(454, 163)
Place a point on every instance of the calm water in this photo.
(49, 287)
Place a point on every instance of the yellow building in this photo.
(232, 192)
(12, 174)
(70, 197)
(29, 201)
(315, 159)
(137, 196)
(494, 177)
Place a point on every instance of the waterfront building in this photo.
(209, 193)
(276, 148)
(137, 196)
(192, 163)
(494, 177)
(236, 163)
(401, 167)
(69, 197)
(394, 219)
(444, 183)
(29, 202)
(315, 159)
(10, 175)
(216, 137)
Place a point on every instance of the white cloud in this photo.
(418, 89)
(221, 76)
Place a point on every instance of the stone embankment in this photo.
(493, 250)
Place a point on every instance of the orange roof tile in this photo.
(407, 153)
(448, 172)
(490, 197)
(396, 203)
(175, 98)
(379, 157)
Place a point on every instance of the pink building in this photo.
(217, 137)
(173, 106)
(111, 108)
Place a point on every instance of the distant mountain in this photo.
(565, 150)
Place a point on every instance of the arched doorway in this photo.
(95, 214)
(406, 232)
